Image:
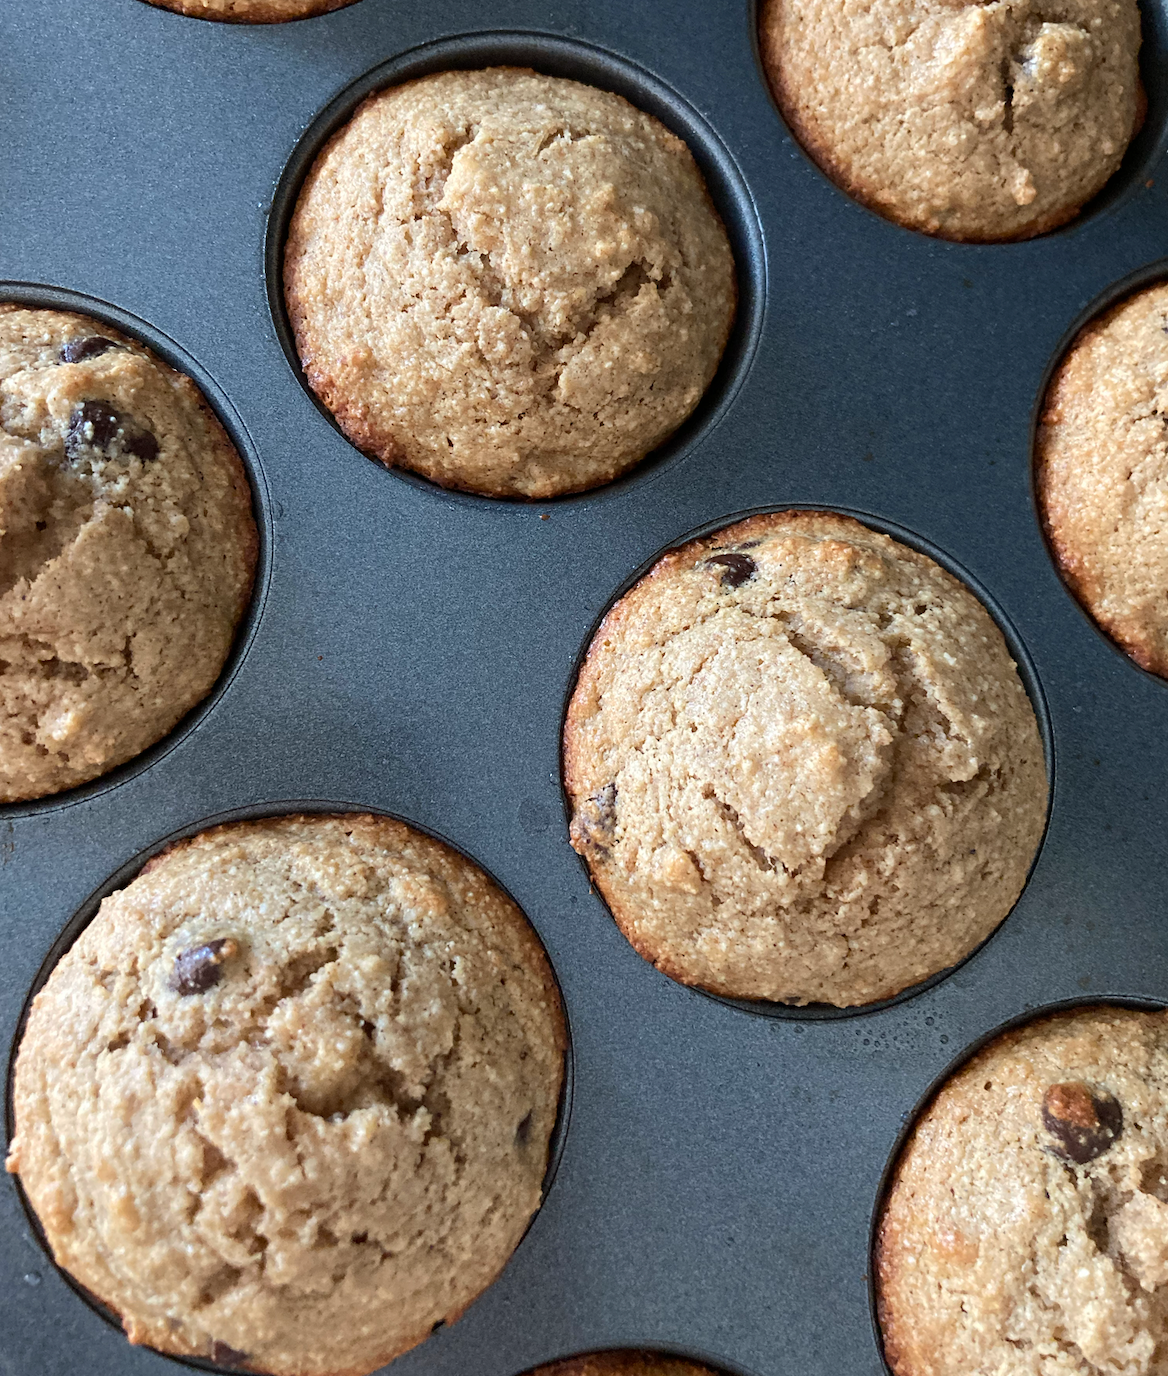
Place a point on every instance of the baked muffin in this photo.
(251, 11)
(1026, 1229)
(1101, 471)
(801, 764)
(623, 1363)
(969, 121)
(127, 549)
(510, 283)
(287, 1101)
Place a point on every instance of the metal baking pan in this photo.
(410, 650)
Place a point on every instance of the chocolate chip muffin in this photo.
(1101, 471)
(510, 283)
(251, 11)
(127, 549)
(801, 764)
(973, 121)
(287, 1101)
(623, 1363)
(1026, 1229)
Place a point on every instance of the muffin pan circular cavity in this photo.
(556, 57)
(1143, 154)
(1026, 672)
(34, 296)
(963, 1057)
(123, 876)
(1152, 275)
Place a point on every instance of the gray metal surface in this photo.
(410, 650)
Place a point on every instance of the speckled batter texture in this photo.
(251, 11)
(127, 549)
(1000, 1253)
(508, 282)
(287, 1101)
(966, 120)
(1101, 466)
(623, 1363)
(801, 764)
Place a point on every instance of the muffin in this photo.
(979, 122)
(1101, 472)
(623, 1363)
(1026, 1228)
(127, 549)
(509, 283)
(287, 1101)
(801, 765)
(251, 11)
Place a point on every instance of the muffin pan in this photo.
(410, 650)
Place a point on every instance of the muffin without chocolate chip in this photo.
(1026, 1228)
(801, 764)
(1101, 473)
(287, 1101)
(127, 549)
(979, 122)
(508, 282)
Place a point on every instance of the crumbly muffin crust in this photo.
(251, 11)
(127, 549)
(1101, 471)
(287, 1101)
(510, 283)
(1026, 1228)
(623, 1362)
(970, 121)
(801, 764)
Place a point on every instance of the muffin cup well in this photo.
(910, 1119)
(1144, 152)
(1026, 672)
(35, 296)
(129, 871)
(556, 57)
(1113, 296)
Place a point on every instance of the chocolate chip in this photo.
(523, 1131)
(1085, 1124)
(142, 444)
(92, 425)
(96, 428)
(738, 568)
(595, 820)
(197, 970)
(222, 1355)
(91, 346)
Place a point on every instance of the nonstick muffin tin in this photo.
(410, 650)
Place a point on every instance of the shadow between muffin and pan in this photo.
(127, 872)
(909, 1120)
(824, 1012)
(554, 56)
(1111, 296)
(38, 296)
(1143, 154)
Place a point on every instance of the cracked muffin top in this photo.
(1101, 469)
(287, 1101)
(801, 764)
(127, 549)
(966, 120)
(623, 1362)
(1026, 1229)
(510, 283)
(251, 11)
